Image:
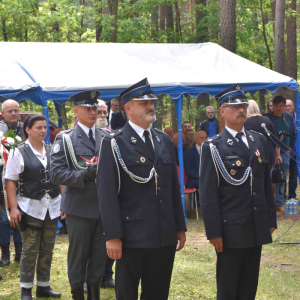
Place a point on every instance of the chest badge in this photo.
(238, 163)
(251, 138)
(142, 159)
(157, 138)
(230, 142)
(232, 172)
(133, 140)
(258, 156)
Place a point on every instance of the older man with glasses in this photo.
(211, 125)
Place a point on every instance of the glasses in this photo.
(116, 105)
(210, 112)
(236, 107)
(104, 112)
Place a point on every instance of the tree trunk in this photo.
(98, 21)
(174, 117)
(169, 23)
(291, 42)
(154, 20)
(201, 31)
(177, 23)
(63, 113)
(4, 30)
(273, 8)
(228, 24)
(279, 36)
(162, 16)
(55, 26)
(113, 10)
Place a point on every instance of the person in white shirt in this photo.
(114, 107)
(36, 207)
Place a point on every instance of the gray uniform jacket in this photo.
(242, 219)
(4, 128)
(79, 197)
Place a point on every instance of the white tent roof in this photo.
(72, 66)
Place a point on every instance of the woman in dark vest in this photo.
(35, 208)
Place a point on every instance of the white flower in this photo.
(18, 138)
(1, 135)
(1, 162)
(10, 140)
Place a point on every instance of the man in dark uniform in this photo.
(141, 210)
(72, 165)
(236, 198)
(119, 118)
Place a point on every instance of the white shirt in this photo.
(198, 148)
(140, 131)
(87, 130)
(234, 132)
(109, 119)
(34, 208)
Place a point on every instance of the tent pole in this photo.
(46, 114)
(178, 108)
(297, 147)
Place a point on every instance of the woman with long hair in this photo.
(35, 208)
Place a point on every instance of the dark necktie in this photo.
(241, 142)
(148, 141)
(91, 137)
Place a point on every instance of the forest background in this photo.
(266, 32)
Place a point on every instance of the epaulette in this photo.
(105, 131)
(67, 130)
(113, 133)
(257, 132)
(212, 139)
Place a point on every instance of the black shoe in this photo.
(93, 292)
(26, 294)
(78, 294)
(18, 251)
(110, 283)
(46, 291)
(5, 257)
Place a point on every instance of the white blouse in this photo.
(34, 208)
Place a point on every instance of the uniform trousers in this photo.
(237, 273)
(152, 266)
(37, 251)
(87, 251)
(293, 178)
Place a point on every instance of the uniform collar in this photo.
(139, 130)
(87, 129)
(234, 132)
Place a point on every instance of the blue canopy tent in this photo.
(173, 69)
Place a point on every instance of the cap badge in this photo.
(238, 163)
(230, 142)
(142, 159)
(233, 172)
(133, 140)
(251, 138)
(93, 94)
(238, 88)
(157, 138)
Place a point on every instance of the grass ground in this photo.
(194, 269)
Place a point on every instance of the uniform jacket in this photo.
(231, 212)
(117, 120)
(204, 125)
(79, 198)
(290, 120)
(137, 215)
(191, 165)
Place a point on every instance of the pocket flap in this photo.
(133, 215)
(166, 159)
(231, 219)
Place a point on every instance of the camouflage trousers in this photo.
(37, 251)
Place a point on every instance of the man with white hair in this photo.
(102, 115)
(11, 115)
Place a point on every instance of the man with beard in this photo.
(102, 115)
(141, 211)
(236, 198)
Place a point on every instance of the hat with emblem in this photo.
(138, 91)
(86, 98)
(232, 96)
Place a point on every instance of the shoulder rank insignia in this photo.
(158, 139)
(133, 140)
(251, 138)
(233, 172)
(230, 142)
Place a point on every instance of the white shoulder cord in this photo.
(116, 152)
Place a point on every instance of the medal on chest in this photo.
(258, 156)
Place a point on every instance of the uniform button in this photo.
(160, 201)
(137, 162)
(255, 208)
(103, 233)
(127, 218)
(254, 194)
(224, 221)
(159, 188)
